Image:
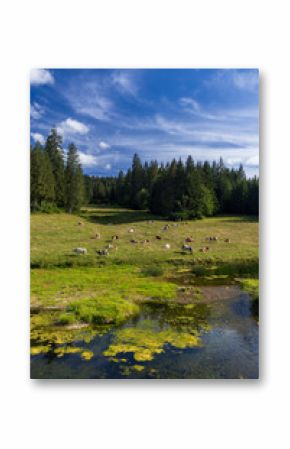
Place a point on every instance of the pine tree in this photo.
(74, 182)
(41, 178)
(53, 148)
(137, 181)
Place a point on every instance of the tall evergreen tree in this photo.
(41, 178)
(53, 148)
(74, 182)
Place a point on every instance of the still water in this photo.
(212, 337)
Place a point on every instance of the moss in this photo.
(103, 310)
(63, 350)
(251, 286)
(67, 318)
(87, 355)
(138, 368)
(144, 344)
(41, 349)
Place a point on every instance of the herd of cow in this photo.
(185, 247)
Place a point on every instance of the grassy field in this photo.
(71, 291)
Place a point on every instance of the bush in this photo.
(47, 208)
(153, 271)
(67, 318)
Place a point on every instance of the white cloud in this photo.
(88, 98)
(246, 80)
(104, 146)
(124, 82)
(253, 161)
(36, 111)
(108, 166)
(87, 160)
(70, 127)
(190, 102)
(37, 137)
(41, 76)
(241, 79)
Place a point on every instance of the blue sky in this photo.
(160, 114)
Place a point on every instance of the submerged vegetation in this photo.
(145, 343)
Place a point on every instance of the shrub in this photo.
(154, 271)
(67, 318)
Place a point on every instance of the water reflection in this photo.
(216, 338)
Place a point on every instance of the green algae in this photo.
(41, 349)
(138, 368)
(87, 355)
(63, 350)
(145, 344)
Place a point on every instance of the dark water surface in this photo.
(222, 323)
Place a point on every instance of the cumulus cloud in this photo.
(87, 160)
(37, 137)
(41, 76)
(108, 166)
(104, 146)
(71, 127)
(36, 111)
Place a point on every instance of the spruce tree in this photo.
(53, 148)
(41, 178)
(74, 182)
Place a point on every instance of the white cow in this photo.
(187, 248)
(80, 251)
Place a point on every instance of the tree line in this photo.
(175, 189)
(54, 181)
(178, 190)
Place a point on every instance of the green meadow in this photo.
(70, 292)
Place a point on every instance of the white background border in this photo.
(127, 33)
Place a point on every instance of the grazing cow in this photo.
(133, 241)
(227, 241)
(115, 237)
(187, 248)
(189, 240)
(80, 223)
(145, 241)
(204, 250)
(131, 230)
(110, 246)
(167, 246)
(165, 227)
(158, 237)
(79, 251)
(98, 235)
(103, 252)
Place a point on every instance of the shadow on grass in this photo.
(220, 273)
(239, 218)
(118, 217)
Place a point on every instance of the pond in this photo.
(212, 335)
